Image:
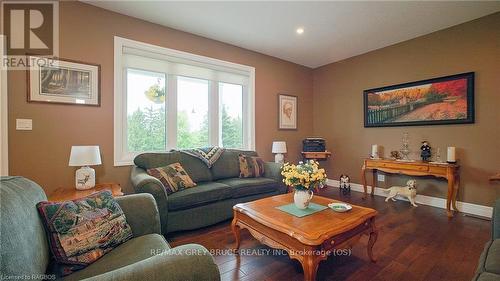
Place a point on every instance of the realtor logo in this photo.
(30, 27)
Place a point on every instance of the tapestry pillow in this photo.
(83, 230)
(173, 177)
(251, 166)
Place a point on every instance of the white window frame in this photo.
(121, 156)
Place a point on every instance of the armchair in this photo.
(147, 256)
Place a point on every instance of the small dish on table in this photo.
(340, 207)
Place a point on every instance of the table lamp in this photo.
(85, 156)
(279, 147)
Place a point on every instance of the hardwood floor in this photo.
(413, 244)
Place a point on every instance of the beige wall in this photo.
(86, 34)
(338, 105)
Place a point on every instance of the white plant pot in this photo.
(301, 198)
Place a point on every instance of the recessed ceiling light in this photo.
(300, 30)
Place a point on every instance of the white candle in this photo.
(451, 157)
(375, 151)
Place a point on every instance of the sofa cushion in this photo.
(155, 160)
(489, 261)
(83, 230)
(228, 166)
(132, 251)
(173, 177)
(492, 262)
(251, 166)
(203, 193)
(250, 186)
(486, 276)
(195, 168)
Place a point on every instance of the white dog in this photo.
(409, 191)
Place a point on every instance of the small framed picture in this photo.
(287, 112)
(64, 81)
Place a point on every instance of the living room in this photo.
(111, 94)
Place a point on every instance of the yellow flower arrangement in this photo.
(303, 176)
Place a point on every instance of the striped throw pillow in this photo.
(173, 177)
(251, 166)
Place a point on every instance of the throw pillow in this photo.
(173, 177)
(251, 166)
(83, 230)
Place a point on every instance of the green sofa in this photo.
(218, 188)
(489, 262)
(147, 256)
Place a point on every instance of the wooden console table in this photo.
(450, 172)
(495, 177)
(321, 155)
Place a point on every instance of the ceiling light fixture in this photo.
(300, 30)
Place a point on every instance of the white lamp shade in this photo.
(279, 147)
(85, 156)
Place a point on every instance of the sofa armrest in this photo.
(141, 212)
(187, 262)
(495, 221)
(272, 170)
(144, 183)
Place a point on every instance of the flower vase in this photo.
(301, 198)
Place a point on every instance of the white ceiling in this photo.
(333, 30)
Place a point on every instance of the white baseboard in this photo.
(464, 207)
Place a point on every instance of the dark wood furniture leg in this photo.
(455, 191)
(363, 180)
(451, 186)
(374, 182)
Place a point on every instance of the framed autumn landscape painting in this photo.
(443, 100)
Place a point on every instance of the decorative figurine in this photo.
(405, 149)
(345, 185)
(409, 191)
(426, 151)
(395, 155)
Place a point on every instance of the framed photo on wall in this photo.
(437, 101)
(287, 112)
(64, 81)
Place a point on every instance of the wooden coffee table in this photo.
(308, 239)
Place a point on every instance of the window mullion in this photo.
(245, 120)
(214, 131)
(171, 122)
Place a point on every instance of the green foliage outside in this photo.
(232, 130)
(146, 131)
(191, 139)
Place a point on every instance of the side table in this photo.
(71, 193)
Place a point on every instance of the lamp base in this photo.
(85, 178)
(279, 158)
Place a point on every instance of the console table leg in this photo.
(363, 180)
(236, 231)
(374, 182)
(455, 191)
(449, 197)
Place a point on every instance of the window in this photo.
(192, 112)
(167, 99)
